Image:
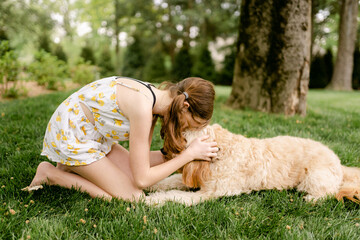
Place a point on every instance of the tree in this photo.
(87, 54)
(273, 56)
(204, 66)
(342, 76)
(134, 61)
(182, 65)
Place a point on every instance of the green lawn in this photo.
(55, 213)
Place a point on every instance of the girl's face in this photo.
(193, 122)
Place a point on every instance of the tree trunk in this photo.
(273, 60)
(342, 76)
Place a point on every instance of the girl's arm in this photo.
(144, 174)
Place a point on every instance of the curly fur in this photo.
(250, 164)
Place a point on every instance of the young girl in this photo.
(82, 135)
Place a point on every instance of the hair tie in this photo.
(186, 95)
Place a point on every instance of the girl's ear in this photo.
(186, 104)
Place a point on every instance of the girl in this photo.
(82, 136)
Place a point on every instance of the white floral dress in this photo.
(71, 139)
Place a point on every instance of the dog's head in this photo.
(196, 172)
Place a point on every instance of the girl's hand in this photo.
(201, 150)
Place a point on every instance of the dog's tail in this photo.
(350, 187)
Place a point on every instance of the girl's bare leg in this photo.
(108, 177)
(46, 173)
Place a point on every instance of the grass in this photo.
(55, 213)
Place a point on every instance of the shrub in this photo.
(87, 54)
(356, 71)
(321, 70)
(226, 75)
(204, 66)
(9, 69)
(83, 73)
(48, 70)
(182, 65)
(134, 60)
(155, 70)
(105, 63)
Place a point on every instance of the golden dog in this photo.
(250, 164)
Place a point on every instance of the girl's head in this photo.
(192, 107)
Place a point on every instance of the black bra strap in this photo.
(148, 85)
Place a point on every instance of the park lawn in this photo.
(55, 213)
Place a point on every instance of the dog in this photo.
(250, 164)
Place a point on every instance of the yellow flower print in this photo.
(49, 127)
(75, 151)
(68, 159)
(77, 140)
(76, 111)
(68, 163)
(62, 132)
(71, 123)
(99, 139)
(93, 98)
(62, 161)
(94, 110)
(113, 83)
(58, 118)
(101, 95)
(96, 115)
(83, 129)
(70, 147)
(95, 128)
(101, 123)
(112, 97)
(83, 163)
(58, 136)
(91, 150)
(114, 110)
(77, 163)
(118, 122)
(126, 135)
(67, 102)
(81, 96)
(64, 138)
(57, 152)
(53, 144)
(101, 102)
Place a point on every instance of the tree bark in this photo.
(273, 60)
(342, 76)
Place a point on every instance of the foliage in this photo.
(105, 63)
(356, 71)
(44, 43)
(225, 77)
(182, 65)
(59, 53)
(134, 61)
(155, 70)
(87, 54)
(57, 213)
(203, 65)
(83, 73)
(321, 70)
(47, 70)
(9, 69)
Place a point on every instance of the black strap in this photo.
(149, 85)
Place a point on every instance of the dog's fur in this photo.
(249, 164)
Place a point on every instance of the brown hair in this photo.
(201, 95)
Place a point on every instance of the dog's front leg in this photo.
(187, 198)
(171, 182)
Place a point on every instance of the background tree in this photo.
(134, 60)
(342, 76)
(204, 66)
(273, 58)
(183, 64)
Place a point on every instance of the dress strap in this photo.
(148, 85)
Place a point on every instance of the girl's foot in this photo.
(41, 177)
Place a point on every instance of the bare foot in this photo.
(41, 177)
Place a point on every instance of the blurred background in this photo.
(53, 42)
